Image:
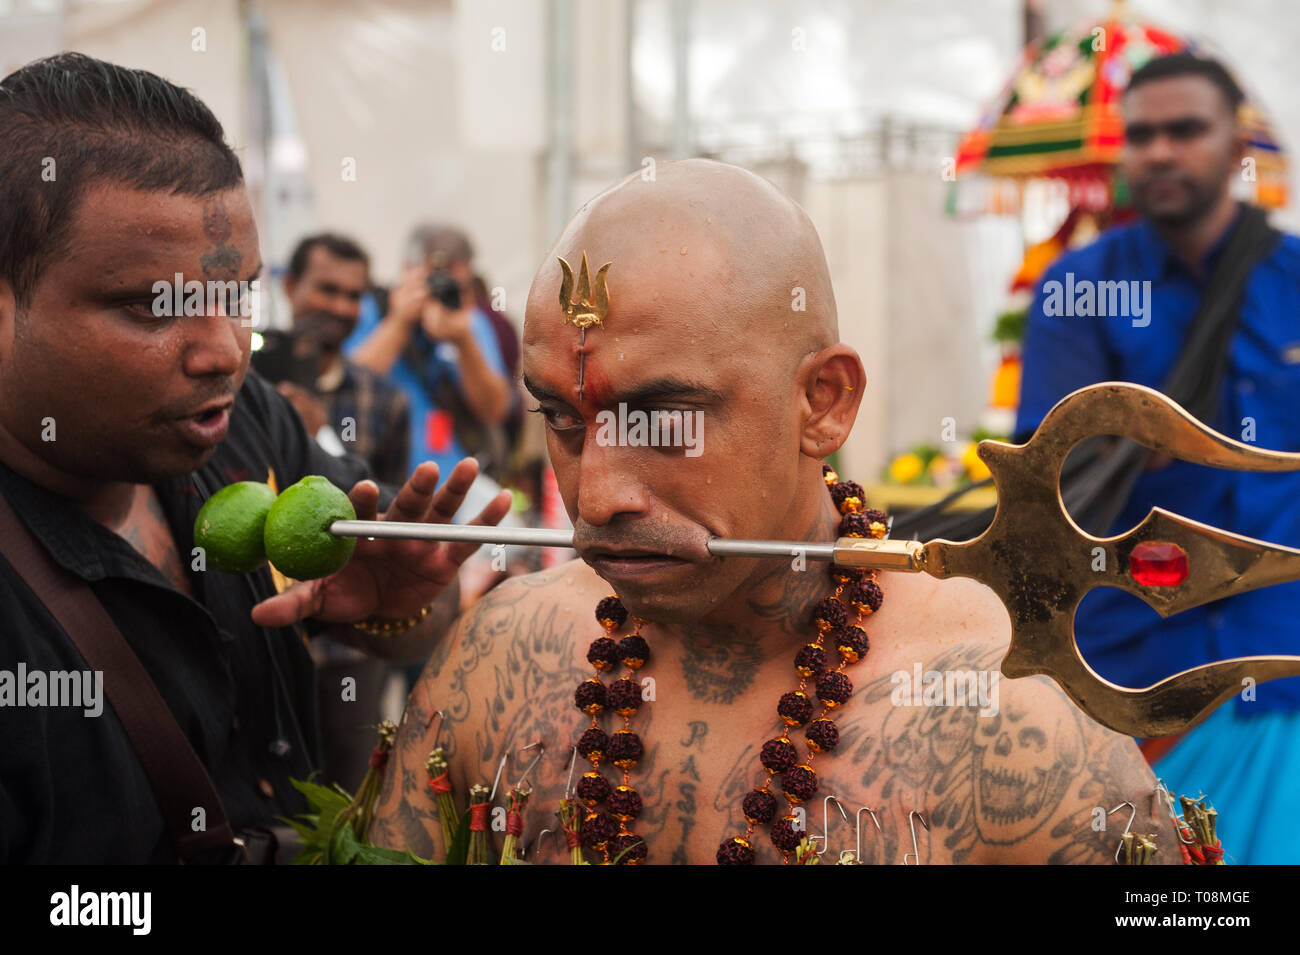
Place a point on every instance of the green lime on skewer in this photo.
(229, 526)
(297, 537)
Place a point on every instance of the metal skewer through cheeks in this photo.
(1040, 563)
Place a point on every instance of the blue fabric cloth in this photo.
(1247, 766)
(432, 436)
(1122, 638)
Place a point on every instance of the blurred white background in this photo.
(503, 116)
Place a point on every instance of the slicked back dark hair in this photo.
(1189, 64)
(98, 123)
(339, 246)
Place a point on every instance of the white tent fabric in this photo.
(442, 109)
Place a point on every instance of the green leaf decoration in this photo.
(324, 800)
(343, 846)
(318, 827)
(458, 851)
(305, 828)
(328, 840)
(375, 855)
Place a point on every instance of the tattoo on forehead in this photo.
(223, 258)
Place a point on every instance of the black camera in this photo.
(444, 289)
(282, 357)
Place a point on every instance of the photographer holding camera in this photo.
(438, 345)
(326, 279)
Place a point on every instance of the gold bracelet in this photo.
(382, 627)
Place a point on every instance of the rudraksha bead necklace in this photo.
(779, 756)
(607, 832)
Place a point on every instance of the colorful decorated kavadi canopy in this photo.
(1059, 114)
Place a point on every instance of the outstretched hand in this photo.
(393, 578)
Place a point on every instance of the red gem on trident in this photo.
(1158, 564)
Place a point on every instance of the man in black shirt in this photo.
(117, 421)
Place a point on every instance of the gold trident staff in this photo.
(1040, 563)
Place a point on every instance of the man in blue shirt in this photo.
(446, 360)
(1182, 147)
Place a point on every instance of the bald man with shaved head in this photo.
(707, 265)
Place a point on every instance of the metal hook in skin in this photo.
(1163, 791)
(500, 766)
(878, 829)
(541, 837)
(568, 786)
(1127, 826)
(541, 749)
(436, 714)
(911, 824)
(826, 828)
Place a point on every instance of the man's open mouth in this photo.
(207, 427)
(209, 412)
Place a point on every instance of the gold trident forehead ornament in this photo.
(1040, 563)
(584, 307)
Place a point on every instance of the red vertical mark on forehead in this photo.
(596, 391)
